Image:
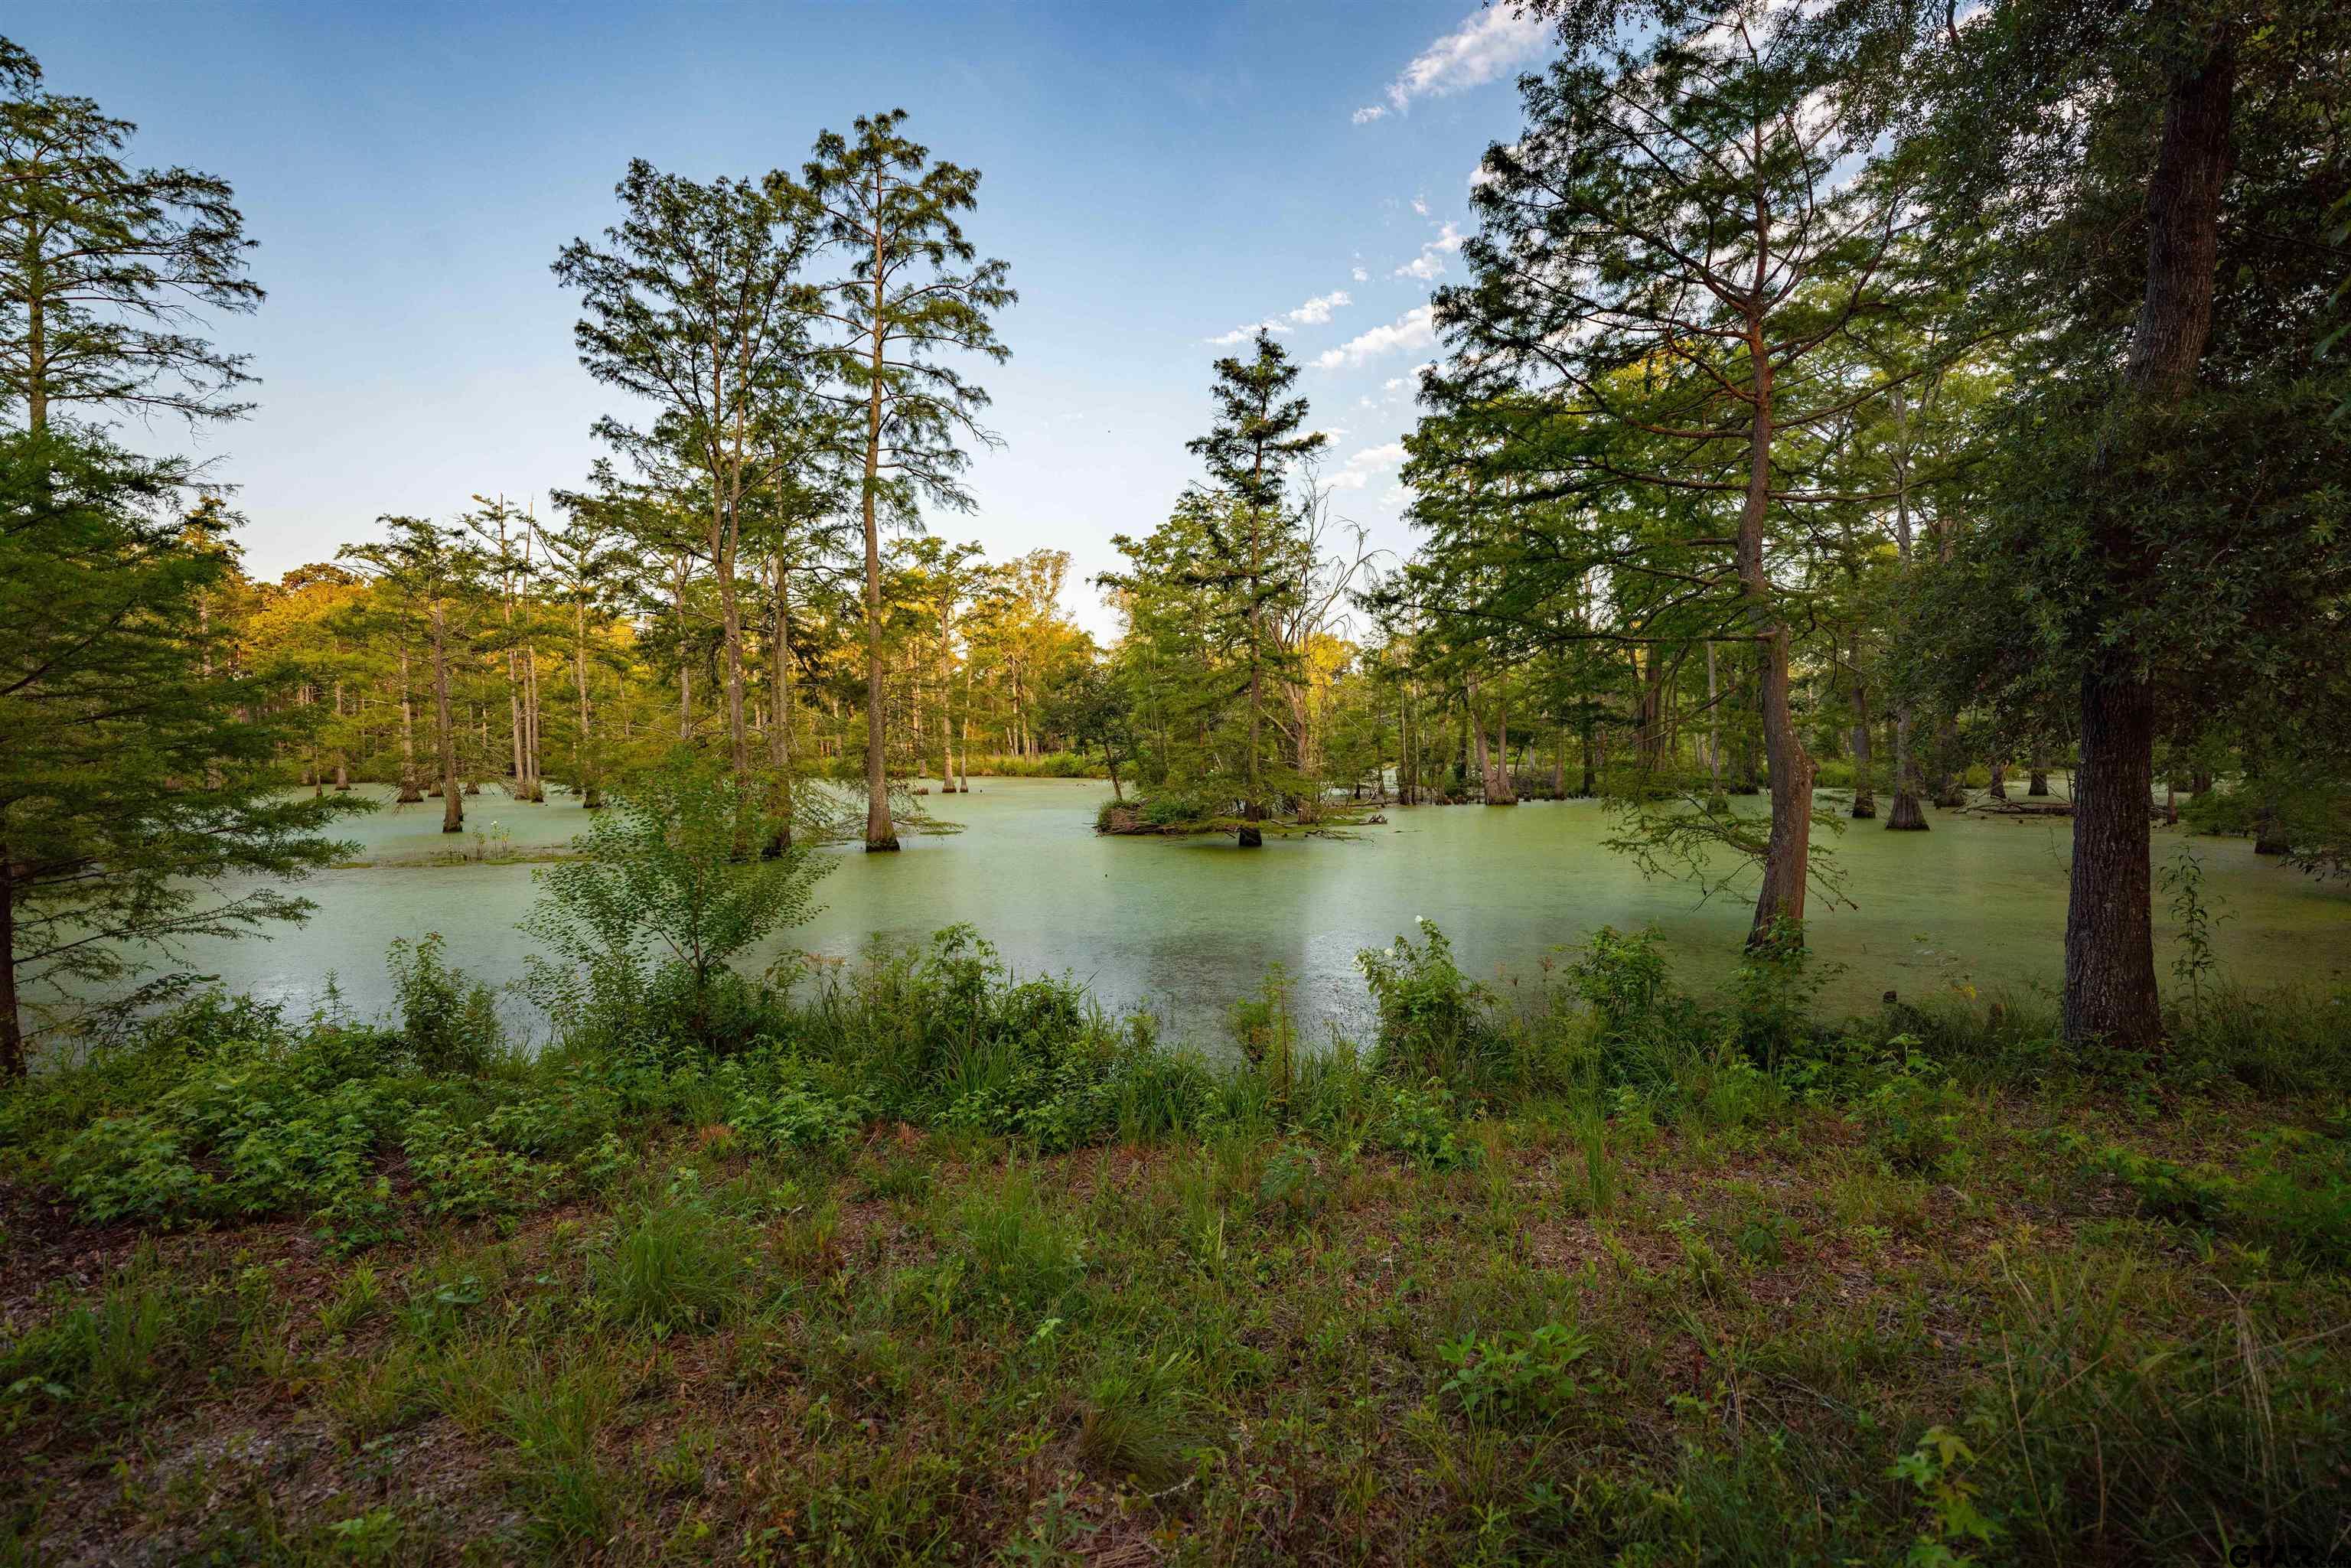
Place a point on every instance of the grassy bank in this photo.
(922, 1262)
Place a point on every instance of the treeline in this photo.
(523, 654)
(1872, 388)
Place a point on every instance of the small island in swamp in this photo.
(1608, 821)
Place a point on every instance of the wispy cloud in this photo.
(1415, 329)
(1315, 312)
(1357, 471)
(1487, 44)
(1430, 262)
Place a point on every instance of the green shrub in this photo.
(1912, 1118)
(1434, 1021)
(1532, 1376)
(448, 1021)
(1425, 1126)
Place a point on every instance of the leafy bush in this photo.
(1434, 1021)
(448, 1021)
(1425, 1126)
(1620, 977)
(1911, 1118)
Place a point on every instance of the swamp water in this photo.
(1187, 925)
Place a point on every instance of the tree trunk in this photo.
(1485, 758)
(590, 797)
(2267, 838)
(779, 712)
(409, 793)
(1950, 790)
(2110, 984)
(2038, 782)
(1507, 794)
(1715, 800)
(1865, 783)
(452, 804)
(1999, 790)
(1787, 859)
(880, 835)
(12, 1028)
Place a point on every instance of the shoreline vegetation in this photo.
(1807, 404)
(921, 1260)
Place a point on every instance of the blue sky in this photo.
(1157, 176)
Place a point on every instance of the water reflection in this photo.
(1188, 926)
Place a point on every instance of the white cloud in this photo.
(1415, 329)
(1430, 262)
(1360, 275)
(1357, 471)
(1486, 45)
(1420, 206)
(1315, 312)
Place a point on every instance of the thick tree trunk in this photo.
(1999, 790)
(2268, 839)
(2110, 990)
(2038, 782)
(2110, 983)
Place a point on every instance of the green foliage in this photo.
(1012, 1255)
(664, 883)
(1434, 1021)
(2296, 1196)
(1912, 1116)
(1423, 1124)
(1620, 977)
(1138, 1420)
(674, 1264)
(140, 764)
(449, 1022)
(1530, 1376)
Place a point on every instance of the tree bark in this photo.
(880, 835)
(12, 1028)
(2110, 983)
(1786, 858)
(409, 793)
(453, 803)
(1864, 785)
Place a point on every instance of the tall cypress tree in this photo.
(913, 288)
